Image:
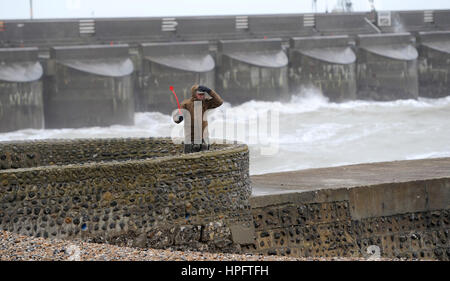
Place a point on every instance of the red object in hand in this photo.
(179, 108)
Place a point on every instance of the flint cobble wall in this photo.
(155, 197)
(27, 154)
(327, 230)
(351, 223)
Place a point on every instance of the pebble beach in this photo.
(15, 247)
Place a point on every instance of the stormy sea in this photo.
(307, 132)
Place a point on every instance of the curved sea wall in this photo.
(154, 196)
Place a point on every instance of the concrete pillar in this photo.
(327, 63)
(21, 101)
(89, 86)
(180, 65)
(254, 69)
(386, 67)
(434, 64)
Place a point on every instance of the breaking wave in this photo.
(311, 131)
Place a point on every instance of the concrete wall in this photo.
(172, 64)
(251, 69)
(343, 23)
(327, 63)
(49, 33)
(442, 19)
(89, 86)
(408, 21)
(181, 201)
(275, 26)
(386, 67)
(207, 28)
(434, 64)
(100, 86)
(21, 100)
(404, 220)
(129, 29)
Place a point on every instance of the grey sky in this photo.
(12, 9)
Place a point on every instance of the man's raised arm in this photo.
(216, 100)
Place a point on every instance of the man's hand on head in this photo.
(204, 89)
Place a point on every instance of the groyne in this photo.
(134, 192)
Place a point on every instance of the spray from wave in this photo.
(312, 131)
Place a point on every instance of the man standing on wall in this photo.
(196, 139)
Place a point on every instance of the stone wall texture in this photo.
(146, 193)
(155, 197)
(398, 220)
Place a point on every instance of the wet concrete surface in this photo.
(350, 176)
